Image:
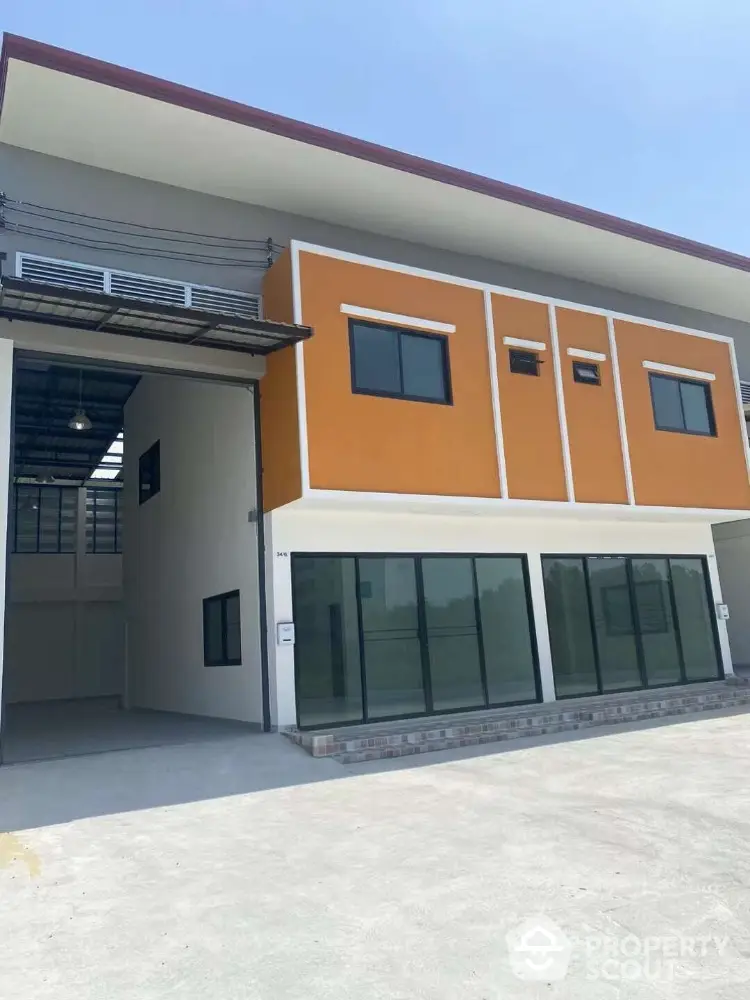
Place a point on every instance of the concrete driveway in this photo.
(244, 869)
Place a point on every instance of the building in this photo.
(397, 440)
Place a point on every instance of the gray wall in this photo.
(34, 177)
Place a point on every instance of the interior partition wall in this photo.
(619, 623)
(391, 636)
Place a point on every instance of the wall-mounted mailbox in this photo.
(284, 633)
(722, 612)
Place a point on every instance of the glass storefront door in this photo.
(619, 623)
(381, 637)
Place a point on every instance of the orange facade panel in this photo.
(528, 405)
(368, 443)
(591, 411)
(678, 469)
(279, 421)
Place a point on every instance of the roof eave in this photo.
(133, 81)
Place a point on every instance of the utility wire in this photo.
(252, 246)
(54, 236)
(11, 202)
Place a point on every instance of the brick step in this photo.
(352, 744)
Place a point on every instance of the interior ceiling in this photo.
(46, 397)
(104, 126)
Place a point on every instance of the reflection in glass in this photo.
(614, 623)
(661, 652)
(390, 629)
(506, 629)
(694, 617)
(329, 687)
(569, 627)
(452, 638)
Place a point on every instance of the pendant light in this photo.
(80, 421)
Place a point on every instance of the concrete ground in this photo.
(241, 868)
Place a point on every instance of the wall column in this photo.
(721, 626)
(279, 609)
(536, 582)
(6, 417)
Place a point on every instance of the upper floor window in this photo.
(682, 405)
(524, 362)
(586, 373)
(149, 473)
(403, 364)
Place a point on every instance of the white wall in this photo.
(293, 529)
(190, 541)
(65, 620)
(732, 543)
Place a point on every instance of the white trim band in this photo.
(656, 366)
(360, 312)
(530, 345)
(578, 352)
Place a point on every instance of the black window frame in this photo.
(149, 461)
(525, 362)
(402, 332)
(63, 544)
(681, 380)
(224, 660)
(578, 368)
(419, 558)
(92, 541)
(639, 631)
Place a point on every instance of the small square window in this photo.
(586, 372)
(149, 473)
(221, 630)
(402, 364)
(524, 362)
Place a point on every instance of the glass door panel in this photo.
(661, 651)
(614, 623)
(695, 619)
(452, 635)
(573, 657)
(329, 685)
(390, 636)
(506, 629)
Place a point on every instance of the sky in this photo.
(635, 107)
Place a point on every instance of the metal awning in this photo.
(72, 307)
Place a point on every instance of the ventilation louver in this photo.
(144, 287)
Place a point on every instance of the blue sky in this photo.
(637, 107)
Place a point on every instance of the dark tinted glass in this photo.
(506, 629)
(390, 632)
(665, 396)
(232, 613)
(695, 618)
(654, 607)
(569, 622)
(329, 685)
(452, 635)
(423, 366)
(376, 359)
(524, 362)
(149, 473)
(695, 406)
(614, 624)
(213, 645)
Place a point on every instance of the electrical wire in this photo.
(54, 236)
(251, 247)
(8, 202)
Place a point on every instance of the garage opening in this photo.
(133, 603)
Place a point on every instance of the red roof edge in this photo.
(108, 74)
